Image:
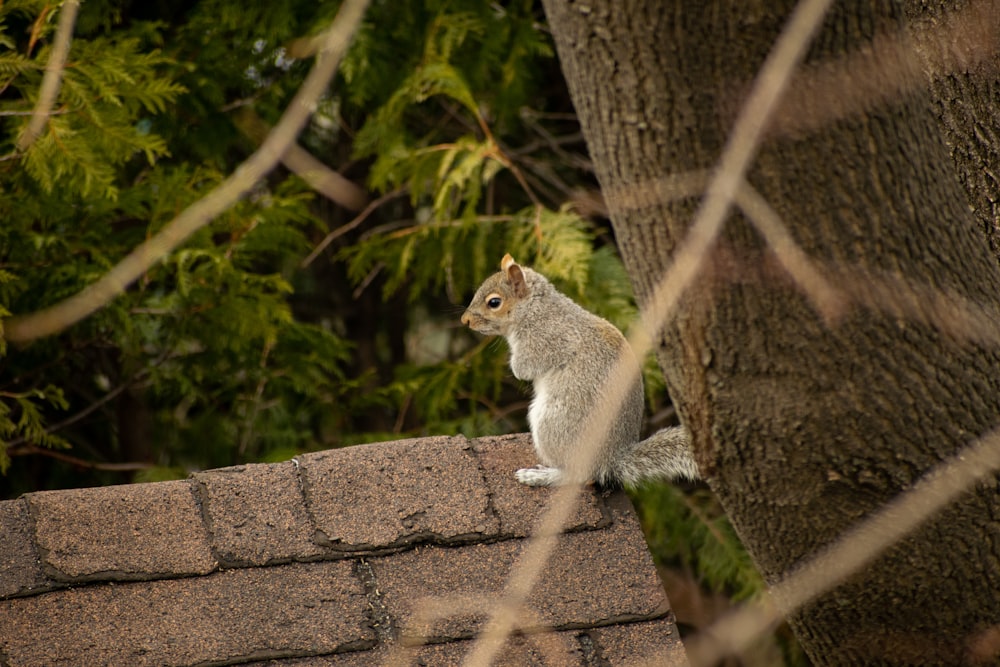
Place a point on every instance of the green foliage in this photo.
(21, 417)
(107, 89)
(206, 345)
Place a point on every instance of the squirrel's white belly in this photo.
(542, 416)
(538, 407)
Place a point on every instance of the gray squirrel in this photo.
(568, 353)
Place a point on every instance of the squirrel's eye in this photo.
(494, 302)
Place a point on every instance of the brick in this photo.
(594, 578)
(518, 506)
(396, 493)
(121, 532)
(655, 642)
(257, 514)
(20, 568)
(224, 618)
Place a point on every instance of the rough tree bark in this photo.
(964, 76)
(802, 427)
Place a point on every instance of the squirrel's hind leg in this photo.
(540, 476)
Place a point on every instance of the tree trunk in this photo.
(803, 427)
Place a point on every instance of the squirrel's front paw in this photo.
(539, 476)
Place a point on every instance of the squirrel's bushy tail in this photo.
(664, 455)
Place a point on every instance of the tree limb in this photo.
(301, 162)
(53, 75)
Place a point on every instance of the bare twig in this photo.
(359, 290)
(655, 192)
(14, 445)
(556, 144)
(248, 431)
(77, 461)
(829, 301)
(17, 446)
(53, 75)
(58, 112)
(503, 618)
(56, 318)
(543, 176)
(945, 309)
(343, 229)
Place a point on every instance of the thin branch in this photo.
(548, 191)
(52, 78)
(833, 288)
(57, 112)
(248, 430)
(343, 229)
(83, 463)
(528, 112)
(518, 175)
(90, 409)
(56, 318)
(656, 191)
(356, 294)
(387, 227)
(556, 144)
(543, 171)
(397, 427)
(496, 412)
(735, 159)
(69, 421)
(948, 311)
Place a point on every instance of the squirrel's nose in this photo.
(466, 320)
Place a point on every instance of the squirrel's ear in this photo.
(514, 276)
